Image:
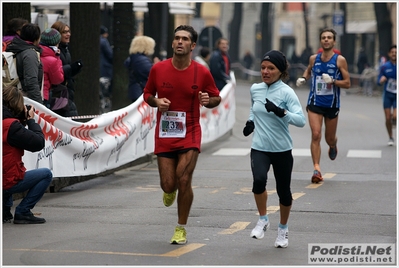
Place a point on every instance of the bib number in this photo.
(172, 125)
(322, 88)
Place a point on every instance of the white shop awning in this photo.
(360, 27)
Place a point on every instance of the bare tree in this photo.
(235, 27)
(306, 20)
(266, 27)
(123, 32)
(15, 10)
(384, 27)
(85, 45)
(158, 14)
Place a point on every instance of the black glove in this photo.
(249, 128)
(76, 67)
(271, 107)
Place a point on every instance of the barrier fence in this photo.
(113, 139)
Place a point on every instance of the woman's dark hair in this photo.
(30, 32)
(190, 29)
(13, 99)
(14, 25)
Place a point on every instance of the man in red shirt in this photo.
(178, 87)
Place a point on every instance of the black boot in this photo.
(28, 218)
(7, 215)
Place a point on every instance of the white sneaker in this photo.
(261, 227)
(282, 238)
(390, 142)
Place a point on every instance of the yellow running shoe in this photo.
(168, 199)
(180, 236)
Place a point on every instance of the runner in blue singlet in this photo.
(329, 73)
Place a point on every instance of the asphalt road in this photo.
(119, 219)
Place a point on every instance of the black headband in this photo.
(277, 58)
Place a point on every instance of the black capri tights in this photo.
(282, 163)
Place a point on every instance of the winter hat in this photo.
(50, 37)
(277, 58)
(103, 30)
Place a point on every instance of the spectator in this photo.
(220, 63)
(71, 69)
(106, 57)
(367, 78)
(52, 64)
(248, 61)
(139, 64)
(361, 61)
(14, 27)
(204, 56)
(29, 66)
(16, 139)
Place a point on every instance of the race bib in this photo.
(322, 88)
(391, 85)
(172, 125)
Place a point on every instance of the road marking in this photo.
(182, 250)
(297, 195)
(235, 227)
(317, 185)
(301, 152)
(174, 253)
(364, 153)
(233, 151)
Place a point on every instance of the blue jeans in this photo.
(35, 182)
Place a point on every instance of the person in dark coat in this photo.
(20, 133)
(71, 69)
(106, 58)
(219, 64)
(29, 67)
(248, 61)
(139, 64)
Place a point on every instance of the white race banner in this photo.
(113, 139)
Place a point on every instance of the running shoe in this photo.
(168, 199)
(261, 227)
(282, 238)
(180, 236)
(390, 142)
(332, 152)
(316, 177)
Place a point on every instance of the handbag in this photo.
(59, 97)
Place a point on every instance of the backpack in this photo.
(10, 75)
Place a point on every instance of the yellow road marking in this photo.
(297, 195)
(317, 185)
(329, 175)
(272, 209)
(314, 185)
(235, 227)
(182, 250)
(174, 253)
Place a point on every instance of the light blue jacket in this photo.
(271, 132)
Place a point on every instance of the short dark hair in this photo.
(190, 29)
(15, 25)
(392, 47)
(204, 52)
(30, 32)
(331, 30)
